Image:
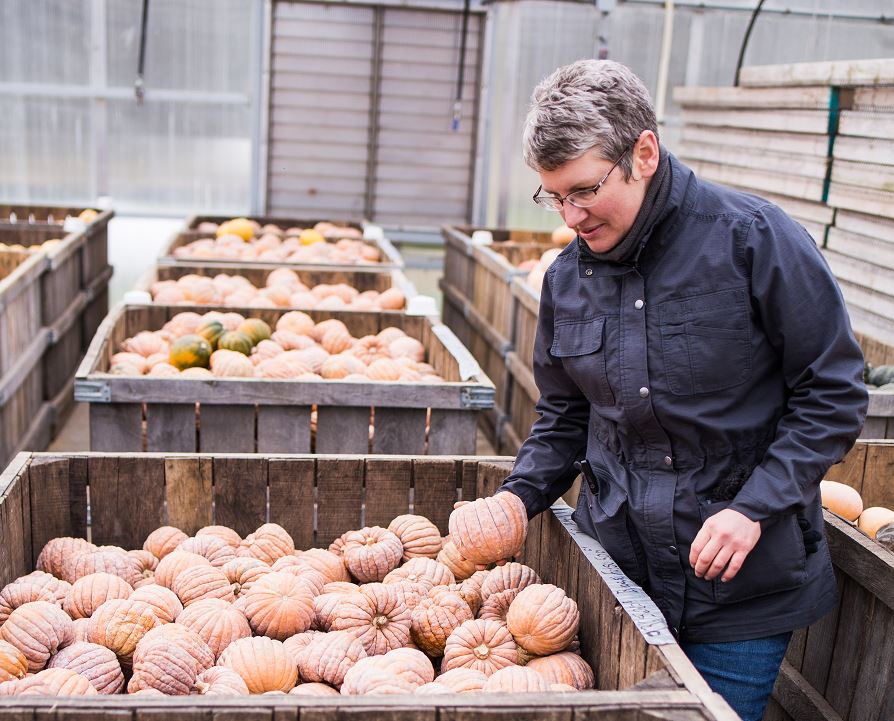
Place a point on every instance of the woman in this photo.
(696, 361)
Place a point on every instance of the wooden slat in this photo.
(434, 490)
(226, 429)
(171, 428)
(799, 699)
(189, 493)
(339, 495)
(868, 563)
(875, 666)
(291, 483)
(794, 654)
(387, 490)
(78, 469)
(283, 429)
(847, 73)
(15, 524)
(856, 610)
(240, 493)
(126, 499)
(792, 121)
(116, 427)
(469, 480)
(399, 431)
(878, 478)
(862, 200)
(48, 481)
(816, 97)
(452, 432)
(342, 430)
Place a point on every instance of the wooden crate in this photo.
(274, 416)
(641, 673)
(389, 257)
(23, 343)
(362, 278)
(840, 667)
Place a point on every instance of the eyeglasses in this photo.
(583, 198)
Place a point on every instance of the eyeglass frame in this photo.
(595, 189)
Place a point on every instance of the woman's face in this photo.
(605, 223)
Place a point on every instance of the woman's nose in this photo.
(572, 215)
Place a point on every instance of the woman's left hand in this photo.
(724, 542)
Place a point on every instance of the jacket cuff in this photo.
(532, 499)
(752, 508)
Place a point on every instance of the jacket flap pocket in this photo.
(577, 338)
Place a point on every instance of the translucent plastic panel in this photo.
(180, 157)
(45, 41)
(204, 45)
(46, 150)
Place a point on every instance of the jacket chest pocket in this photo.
(581, 348)
(706, 342)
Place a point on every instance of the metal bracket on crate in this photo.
(92, 391)
(479, 399)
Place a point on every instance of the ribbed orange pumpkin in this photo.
(13, 664)
(22, 592)
(41, 579)
(383, 369)
(216, 622)
(375, 682)
(432, 689)
(461, 568)
(54, 682)
(201, 582)
(96, 663)
(463, 680)
(510, 575)
(220, 681)
(168, 668)
(328, 657)
(173, 564)
(377, 616)
(496, 606)
(176, 634)
(340, 587)
(263, 664)
(147, 561)
(80, 628)
(565, 667)
(481, 645)
(109, 561)
(329, 564)
(120, 624)
(516, 679)
(227, 534)
(336, 341)
(542, 619)
(91, 591)
(371, 553)
(405, 665)
(341, 365)
(297, 643)
(434, 619)
(422, 570)
(38, 629)
(58, 555)
(244, 571)
(325, 609)
(215, 549)
(279, 605)
(370, 348)
(489, 529)
(313, 689)
(164, 601)
(163, 541)
(295, 322)
(410, 594)
(268, 543)
(418, 535)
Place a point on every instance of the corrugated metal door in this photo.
(361, 111)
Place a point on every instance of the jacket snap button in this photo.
(643, 392)
(589, 271)
(668, 461)
(673, 549)
(638, 304)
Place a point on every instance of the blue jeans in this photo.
(743, 672)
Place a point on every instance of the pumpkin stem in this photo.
(481, 652)
(202, 687)
(380, 621)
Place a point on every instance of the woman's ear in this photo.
(645, 155)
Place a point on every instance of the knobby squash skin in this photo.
(190, 351)
(235, 340)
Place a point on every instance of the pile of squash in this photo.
(877, 522)
(37, 248)
(284, 289)
(395, 610)
(228, 345)
(243, 239)
(879, 377)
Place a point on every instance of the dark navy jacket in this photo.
(725, 351)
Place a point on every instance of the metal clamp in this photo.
(479, 399)
(92, 391)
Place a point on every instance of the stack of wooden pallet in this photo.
(771, 142)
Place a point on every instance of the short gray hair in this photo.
(589, 104)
